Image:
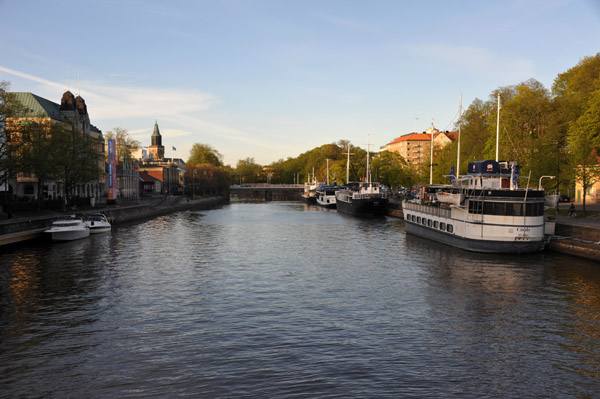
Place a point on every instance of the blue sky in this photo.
(270, 79)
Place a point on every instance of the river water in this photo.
(283, 300)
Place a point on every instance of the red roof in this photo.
(423, 137)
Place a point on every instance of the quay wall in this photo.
(23, 229)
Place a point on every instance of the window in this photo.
(419, 219)
(429, 223)
(435, 224)
(450, 228)
(407, 217)
(442, 226)
(412, 218)
(424, 222)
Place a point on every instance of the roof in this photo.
(423, 137)
(39, 106)
(156, 132)
(146, 178)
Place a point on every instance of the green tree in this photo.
(205, 154)
(390, 169)
(33, 150)
(249, 171)
(10, 109)
(125, 145)
(75, 157)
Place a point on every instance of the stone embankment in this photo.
(22, 228)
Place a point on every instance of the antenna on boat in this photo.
(458, 151)
(498, 127)
(327, 171)
(431, 157)
(348, 165)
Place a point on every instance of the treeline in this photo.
(386, 167)
(548, 132)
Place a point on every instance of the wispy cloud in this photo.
(475, 59)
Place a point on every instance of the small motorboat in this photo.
(68, 229)
(97, 223)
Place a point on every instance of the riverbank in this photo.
(28, 226)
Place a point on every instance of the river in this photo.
(285, 300)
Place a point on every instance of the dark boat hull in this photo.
(487, 246)
(364, 206)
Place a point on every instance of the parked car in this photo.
(564, 198)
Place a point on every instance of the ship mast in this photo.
(368, 169)
(458, 151)
(498, 128)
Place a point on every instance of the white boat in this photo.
(97, 223)
(495, 215)
(450, 197)
(68, 229)
(326, 196)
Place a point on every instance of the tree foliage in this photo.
(204, 154)
(125, 145)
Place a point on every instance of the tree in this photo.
(75, 157)
(204, 154)
(248, 171)
(390, 169)
(584, 145)
(33, 151)
(10, 109)
(125, 145)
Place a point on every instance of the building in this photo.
(169, 171)
(415, 148)
(592, 194)
(72, 114)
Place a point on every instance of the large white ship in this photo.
(484, 211)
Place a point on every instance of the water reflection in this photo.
(286, 300)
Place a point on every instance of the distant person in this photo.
(572, 211)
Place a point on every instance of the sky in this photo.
(271, 79)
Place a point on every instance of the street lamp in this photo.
(540, 183)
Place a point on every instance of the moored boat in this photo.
(361, 198)
(68, 229)
(326, 196)
(495, 214)
(97, 223)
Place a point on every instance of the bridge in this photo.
(266, 192)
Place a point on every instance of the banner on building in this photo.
(112, 169)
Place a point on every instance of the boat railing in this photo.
(430, 209)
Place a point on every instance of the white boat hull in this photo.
(69, 235)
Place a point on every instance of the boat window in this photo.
(450, 228)
(418, 219)
(428, 222)
(442, 226)
(424, 222)
(413, 218)
(407, 217)
(476, 207)
(435, 224)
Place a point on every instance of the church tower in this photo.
(157, 151)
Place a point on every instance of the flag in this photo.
(174, 149)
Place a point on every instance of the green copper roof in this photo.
(156, 132)
(39, 106)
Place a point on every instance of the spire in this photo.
(156, 131)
